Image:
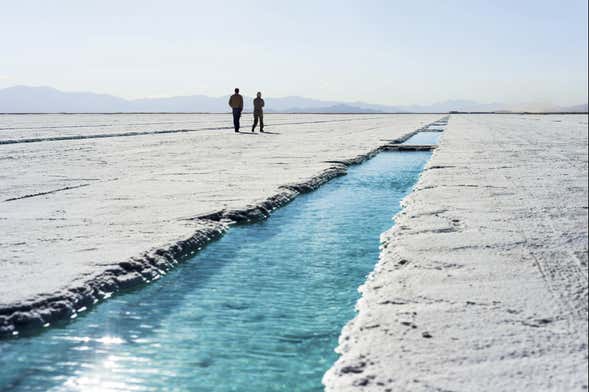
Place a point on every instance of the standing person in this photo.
(258, 111)
(236, 103)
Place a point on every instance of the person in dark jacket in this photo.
(236, 103)
(258, 112)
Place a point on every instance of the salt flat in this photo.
(482, 283)
(115, 187)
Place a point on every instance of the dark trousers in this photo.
(258, 115)
(236, 116)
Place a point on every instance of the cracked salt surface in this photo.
(482, 283)
(67, 245)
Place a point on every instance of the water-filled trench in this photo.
(260, 309)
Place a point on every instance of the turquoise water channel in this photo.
(259, 310)
(426, 137)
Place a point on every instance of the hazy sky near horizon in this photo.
(385, 51)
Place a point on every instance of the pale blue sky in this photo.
(389, 52)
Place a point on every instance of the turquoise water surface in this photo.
(259, 310)
(424, 138)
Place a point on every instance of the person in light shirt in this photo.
(258, 112)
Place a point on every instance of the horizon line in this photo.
(329, 101)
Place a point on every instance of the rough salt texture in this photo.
(482, 283)
(90, 204)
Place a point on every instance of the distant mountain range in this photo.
(25, 99)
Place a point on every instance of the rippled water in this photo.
(259, 310)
